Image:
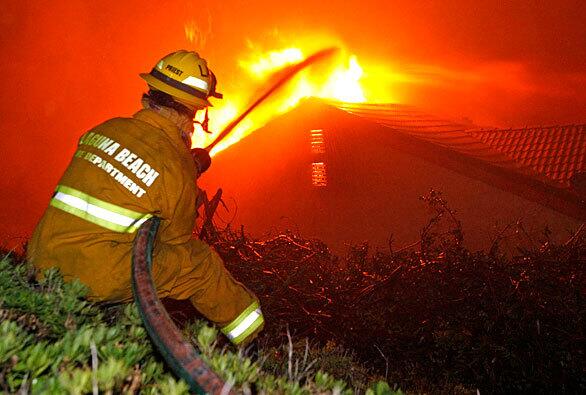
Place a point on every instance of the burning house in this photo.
(348, 173)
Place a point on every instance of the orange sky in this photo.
(68, 65)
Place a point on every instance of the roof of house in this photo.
(549, 154)
(536, 164)
(558, 152)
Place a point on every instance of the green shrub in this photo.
(52, 340)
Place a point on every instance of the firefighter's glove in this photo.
(202, 159)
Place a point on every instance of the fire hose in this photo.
(181, 356)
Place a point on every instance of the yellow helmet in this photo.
(185, 76)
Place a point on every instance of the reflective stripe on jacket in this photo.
(99, 212)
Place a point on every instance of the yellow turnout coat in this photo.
(123, 172)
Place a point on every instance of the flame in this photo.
(344, 84)
(268, 63)
(338, 80)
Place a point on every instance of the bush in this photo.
(435, 318)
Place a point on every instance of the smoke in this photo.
(198, 33)
(69, 65)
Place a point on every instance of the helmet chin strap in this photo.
(205, 123)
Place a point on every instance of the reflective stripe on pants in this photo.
(245, 324)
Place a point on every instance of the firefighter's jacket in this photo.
(123, 172)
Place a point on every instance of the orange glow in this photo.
(343, 78)
(337, 79)
(500, 65)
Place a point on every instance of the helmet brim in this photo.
(183, 97)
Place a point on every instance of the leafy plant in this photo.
(86, 348)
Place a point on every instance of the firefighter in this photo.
(127, 170)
